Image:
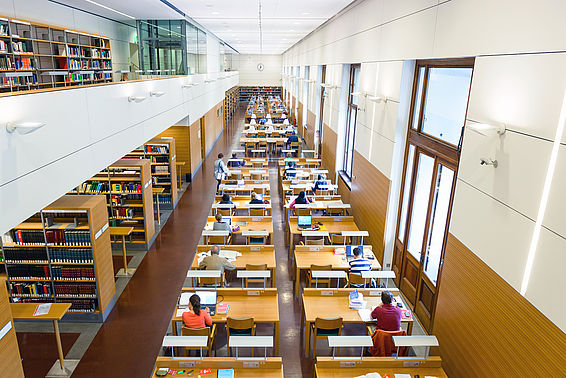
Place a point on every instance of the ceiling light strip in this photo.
(110, 9)
(544, 197)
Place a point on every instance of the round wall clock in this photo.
(260, 66)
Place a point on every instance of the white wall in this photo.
(246, 64)
(120, 34)
(212, 54)
(519, 79)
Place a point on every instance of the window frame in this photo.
(350, 129)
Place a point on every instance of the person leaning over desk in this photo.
(215, 262)
(196, 317)
(226, 200)
(387, 314)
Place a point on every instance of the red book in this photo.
(205, 371)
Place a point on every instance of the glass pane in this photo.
(446, 102)
(420, 205)
(406, 192)
(438, 219)
(418, 100)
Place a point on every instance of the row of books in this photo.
(71, 274)
(69, 238)
(28, 272)
(75, 290)
(94, 187)
(165, 198)
(19, 255)
(20, 47)
(156, 149)
(3, 47)
(18, 81)
(124, 212)
(73, 51)
(3, 29)
(160, 169)
(73, 64)
(73, 78)
(160, 159)
(96, 64)
(160, 180)
(77, 256)
(122, 199)
(38, 289)
(23, 237)
(129, 187)
(81, 305)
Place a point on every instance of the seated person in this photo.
(269, 128)
(262, 121)
(226, 200)
(219, 225)
(256, 200)
(269, 122)
(253, 122)
(292, 139)
(215, 262)
(195, 317)
(318, 182)
(290, 166)
(387, 314)
(359, 264)
(286, 122)
(236, 164)
(251, 129)
(300, 200)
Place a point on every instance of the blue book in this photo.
(225, 373)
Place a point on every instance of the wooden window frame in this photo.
(350, 130)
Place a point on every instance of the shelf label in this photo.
(253, 292)
(257, 219)
(314, 249)
(411, 363)
(101, 231)
(251, 364)
(186, 364)
(327, 292)
(255, 248)
(5, 329)
(347, 364)
(374, 293)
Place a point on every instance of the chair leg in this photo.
(314, 347)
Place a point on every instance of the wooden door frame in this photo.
(202, 138)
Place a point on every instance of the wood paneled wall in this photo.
(213, 125)
(329, 139)
(486, 328)
(293, 115)
(195, 146)
(300, 120)
(10, 360)
(182, 145)
(309, 132)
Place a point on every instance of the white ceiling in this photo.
(284, 22)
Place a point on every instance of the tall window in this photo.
(351, 121)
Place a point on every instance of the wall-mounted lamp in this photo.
(377, 99)
(209, 80)
(485, 161)
(328, 86)
(24, 127)
(156, 94)
(485, 129)
(136, 98)
(190, 85)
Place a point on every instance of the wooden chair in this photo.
(262, 146)
(355, 280)
(315, 241)
(295, 146)
(224, 212)
(259, 191)
(257, 164)
(261, 134)
(218, 240)
(239, 327)
(336, 239)
(279, 145)
(296, 191)
(249, 147)
(257, 212)
(302, 211)
(209, 332)
(311, 281)
(256, 176)
(322, 328)
(334, 212)
(211, 281)
(256, 240)
(256, 280)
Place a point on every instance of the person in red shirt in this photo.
(387, 314)
(195, 317)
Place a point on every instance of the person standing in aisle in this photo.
(220, 170)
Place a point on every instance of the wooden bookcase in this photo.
(36, 56)
(161, 153)
(10, 359)
(231, 102)
(246, 93)
(63, 254)
(129, 200)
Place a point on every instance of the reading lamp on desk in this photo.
(24, 127)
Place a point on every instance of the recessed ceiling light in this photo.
(306, 13)
(215, 12)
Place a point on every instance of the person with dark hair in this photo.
(235, 162)
(255, 200)
(226, 200)
(300, 200)
(320, 181)
(290, 167)
(220, 170)
(196, 317)
(359, 264)
(387, 314)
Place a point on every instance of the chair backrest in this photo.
(250, 145)
(212, 240)
(239, 323)
(315, 241)
(338, 239)
(324, 323)
(383, 344)
(356, 279)
(257, 164)
(257, 212)
(211, 281)
(259, 190)
(256, 240)
(261, 134)
(302, 211)
(294, 145)
(224, 212)
(262, 144)
(296, 191)
(320, 267)
(256, 266)
(256, 176)
(186, 331)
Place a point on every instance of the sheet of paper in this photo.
(180, 312)
(42, 309)
(230, 255)
(373, 375)
(365, 315)
(184, 299)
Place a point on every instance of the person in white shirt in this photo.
(286, 121)
(253, 122)
(220, 170)
(269, 122)
(270, 128)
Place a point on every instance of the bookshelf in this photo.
(126, 185)
(161, 153)
(231, 102)
(36, 56)
(63, 254)
(246, 93)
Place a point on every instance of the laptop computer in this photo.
(305, 221)
(207, 299)
(227, 220)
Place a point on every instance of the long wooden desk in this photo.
(251, 254)
(334, 225)
(243, 188)
(261, 304)
(326, 367)
(253, 224)
(307, 255)
(332, 303)
(272, 367)
(243, 206)
(25, 311)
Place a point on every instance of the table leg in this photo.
(158, 215)
(124, 254)
(59, 346)
(174, 327)
(276, 339)
(410, 328)
(297, 282)
(179, 175)
(307, 338)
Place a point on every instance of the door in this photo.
(438, 110)
(202, 139)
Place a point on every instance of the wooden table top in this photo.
(249, 255)
(272, 367)
(307, 255)
(267, 140)
(180, 163)
(318, 204)
(121, 231)
(334, 225)
(24, 311)
(325, 367)
(261, 304)
(157, 190)
(254, 223)
(317, 304)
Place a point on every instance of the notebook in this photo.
(225, 373)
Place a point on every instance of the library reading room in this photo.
(282, 189)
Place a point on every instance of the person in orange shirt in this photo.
(195, 317)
